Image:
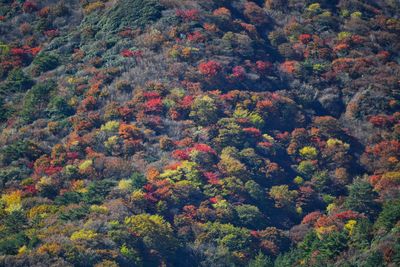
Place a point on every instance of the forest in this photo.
(209, 133)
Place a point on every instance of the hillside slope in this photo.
(199, 133)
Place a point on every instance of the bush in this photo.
(10, 244)
(250, 216)
(97, 191)
(17, 81)
(389, 216)
(20, 149)
(58, 108)
(130, 14)
(46, 62)
(4, 112)
(138, 180)
(12, 174)
(35, 100)
(308, 152)
(204, 110)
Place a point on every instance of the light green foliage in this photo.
(155, 232)
(253, 117)
(83, 235)
(261, 261)
(111, 142)
(282, 195)
(230, 133)
(250, 216)
(229, 162)
(85, 164)
(333, 142)
(226, 237)
(356, 15)
(12, 201)
(125, 185)
(298, 180)
(306, 167)
(186, 171)
(4, 49)
(314, 8)
(110, 126)
(204, 110)
(343, 35)
(99, 209)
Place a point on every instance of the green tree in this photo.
(97, 191)
(250, 216)
(389, 216)
(362, 198)
(261, 261)
(282, 195)
(58, 108)
(17, 81)
(254, 190)
(155, 232)
(46, 62)
(138, 180)
(36, 100)
(204, 110)
(232, 241)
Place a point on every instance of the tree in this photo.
(234, 241)
(389, 216)
(155, 233)
(97, 191)
(362, 198)
(229, 163)
(17, 81)
(250, 216)
(254, 190)
(282, 195)
(36, 100)
(210, 68)
(58, 108)
(261, 261)
(204, 110)
(308, 152)
(46, 62)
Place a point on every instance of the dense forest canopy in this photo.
(200, 133)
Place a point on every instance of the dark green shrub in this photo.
(20, 149)
(131, 14)
(97, 191)
(138, 180)
(46, 62)
(12, 174)
(17, 81)
(3, 111)
(389, 216)
(12, 243)
(58, 108)
(75, 214)
(36, 100)
(68, 198)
